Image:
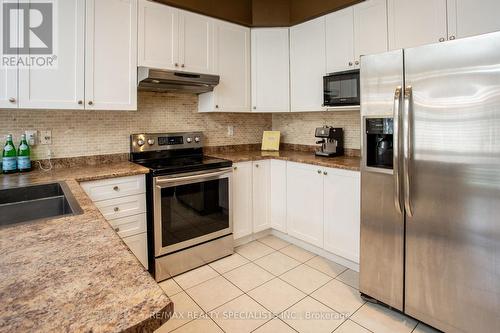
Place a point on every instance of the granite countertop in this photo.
(343, 162)
(75, 274)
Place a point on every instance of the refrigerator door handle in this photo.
(396, 166)
(408, 101)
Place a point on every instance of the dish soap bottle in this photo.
(9, 156)
(23, 155)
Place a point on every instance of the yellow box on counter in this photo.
(271, 140)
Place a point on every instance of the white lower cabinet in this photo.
(304, 202)
(261, 192)
(341, 212)
(122, 201)
(278, 195)
(242, 199)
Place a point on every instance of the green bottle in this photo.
(23, 155)
(9, 156)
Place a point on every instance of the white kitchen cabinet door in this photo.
(158, 35)
(307, 65)
(232, 64)
(196, 45)
(138, 244)
(61, 87)
(472, 17)
(370, 28)
(261, 195)
(413, 23)
(242, 199)
(270, 70)
(278, 195)
(342, 213)
(111, 55)
(340, 40)
(304, 202)
(8, 75)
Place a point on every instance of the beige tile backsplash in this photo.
(81, 133)
(298, 128)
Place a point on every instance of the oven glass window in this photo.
(194, 210)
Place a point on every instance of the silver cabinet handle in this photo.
(452, 37)
(325, 173)
(255, 108)
(395, 156)
(256, 165)
(183, 65)
(217, 106)
(441, 39)
(80, 102)
(407, 151)
(117, 229)
(350, 63)
(116, 209)
(235, 168)
(12, 100)
(176, 65)
(91, 103)
(356, 62)
(319, 172)
(116, 188)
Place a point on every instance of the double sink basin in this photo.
(35, 202)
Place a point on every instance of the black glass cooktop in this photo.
(183, 164)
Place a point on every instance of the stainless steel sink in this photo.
(35, 202)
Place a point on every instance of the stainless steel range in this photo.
(189, 202)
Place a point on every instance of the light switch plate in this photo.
(46, 137)
(230, 130)
(31, 137)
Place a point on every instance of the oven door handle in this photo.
(166, 181)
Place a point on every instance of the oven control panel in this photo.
(165, 141)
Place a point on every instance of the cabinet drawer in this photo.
(130, 225)
(138, 244)
(114, 188)
(121, 207)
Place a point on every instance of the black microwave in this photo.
(341, 88)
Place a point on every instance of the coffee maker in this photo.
(332, 141)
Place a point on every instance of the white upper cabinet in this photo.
(370, 28)
(340, 40)
(472, 17)
(270, 70)
(342, 212)
(8, 77)
(63, 86)
(111, 55)
(413, 23)
(195, 43)
(261, 195)
(232, 63)
(305, 202)
(170, 38)
(307, 65)
(158, 35)
(242, 199)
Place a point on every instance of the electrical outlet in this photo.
(46, 137)
(230, 130)
(31, 137)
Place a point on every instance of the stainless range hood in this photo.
(159, 80)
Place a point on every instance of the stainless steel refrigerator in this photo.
(430, 219)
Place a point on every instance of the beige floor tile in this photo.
(326, 266)
(350, 277)
(297, 253)
(309, 315)
(195, 276)
(241, 315)
(351, 327)
(275, 326)
(254, 250)
(204, 325)
(185, 310)
(422, 328)
(277, 263)
(276, 295)
(274, 242)
(248, 276)
(228, 263)
(213, 293)
(170, 287)
(339, 296)
(379, 319)
(305, 278)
